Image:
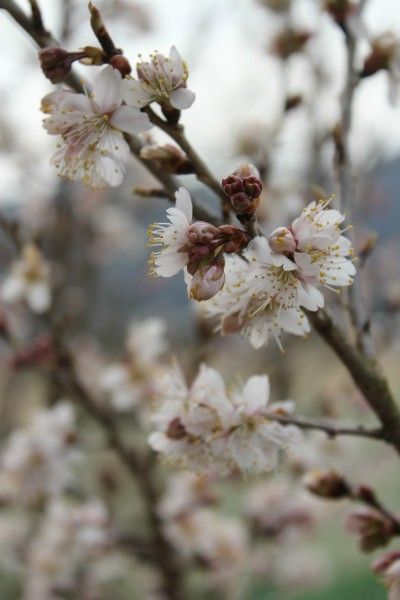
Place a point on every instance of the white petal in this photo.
(135, 94)
(182, 98)
(255, 394)
(38, 297)
(13, 288)
(131, 120)
(184, 203)
(107, 90)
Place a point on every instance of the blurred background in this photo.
(263, 99)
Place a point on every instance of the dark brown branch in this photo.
(365, 374)
(331, 430)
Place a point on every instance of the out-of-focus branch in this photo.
(40, 35)
(331, 430)
(140, 467)
(203, 173)
(365, 373)
(357, 309)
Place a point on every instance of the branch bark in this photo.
(365, 374)
(331, 430)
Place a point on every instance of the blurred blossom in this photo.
(70, 537)
(37, 460)
(203, 428)
(133, 383)
(29, 280)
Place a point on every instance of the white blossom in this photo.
(29, 280)
(322, 251)
(162, 80)
(263, 296)
(207, 429)
(91, 125)
(172, 237)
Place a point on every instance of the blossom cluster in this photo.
(205, 429)
(261, 287)
(93, 126)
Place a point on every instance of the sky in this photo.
(238, 85)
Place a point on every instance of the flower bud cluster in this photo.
(244, 188)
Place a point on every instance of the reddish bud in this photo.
(234, 238)
(202, 232)
(289, 42)
(176, 430)
(168, 158)
(326, 484)
(377, 60)
(121, 64)
(385, 561)
(372, 528)
(232, 185)
(340, 10)
(252, 186)
(243, 204)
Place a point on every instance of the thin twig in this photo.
(356, 304)
(331, 430)
(203, 173)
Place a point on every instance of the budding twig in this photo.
(203, 173)
(100, 31)
(331, 430)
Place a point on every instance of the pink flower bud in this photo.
(252, 186)
(234, 238)
(198, 255)
(208, 281)
(232, 185)
(202, 232)
(282, 240)
(384, 562)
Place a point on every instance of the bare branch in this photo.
(203, 173)
(331, 430)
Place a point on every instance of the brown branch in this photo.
(203, 173)
(357, 310)
(42, 37)
(365, 374)
(331, 430)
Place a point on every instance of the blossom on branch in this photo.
(263, 296)
(91, 126)
(206, 429)
(160, 80)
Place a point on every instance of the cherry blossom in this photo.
(91, 125)
(160, 80)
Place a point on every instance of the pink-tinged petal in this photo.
(135, 94)
(110, 171)
(131, 120)
(115, 146)
(75, 103)
(107, 90)
(184, 203)
(310, 297)
(182, 98)
(293, 321)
